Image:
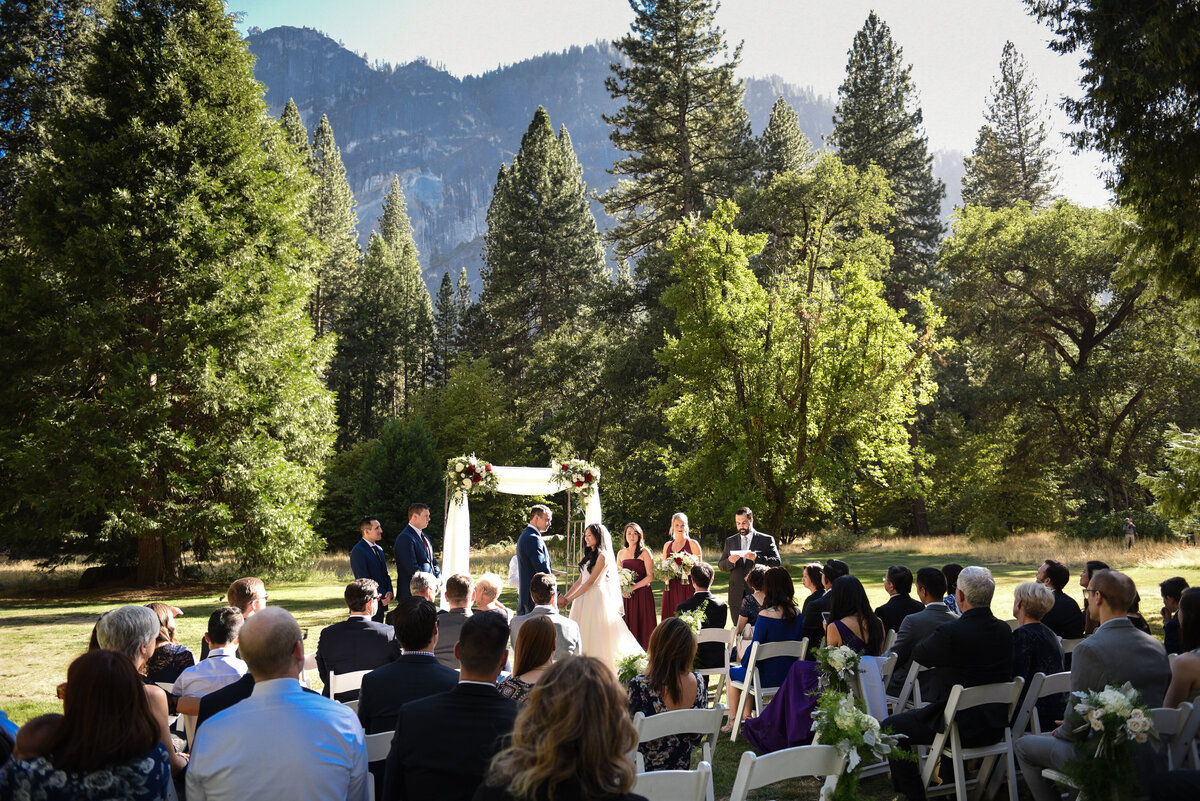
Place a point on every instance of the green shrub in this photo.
(987, 527)
(833, 540)
(1111, 526)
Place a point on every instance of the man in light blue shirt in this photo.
(281, 742)
(222, 666)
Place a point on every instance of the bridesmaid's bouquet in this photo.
(676, 566)
(628, 579)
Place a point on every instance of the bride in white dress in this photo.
(596, 601)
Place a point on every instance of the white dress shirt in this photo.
(220, 668)
(281, 742)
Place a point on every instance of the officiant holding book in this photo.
(743, 551)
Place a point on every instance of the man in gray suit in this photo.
(543, 590)
(1115, 654)
(931, 590)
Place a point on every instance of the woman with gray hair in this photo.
(133, 630)
(487, 595)
(1036, 648)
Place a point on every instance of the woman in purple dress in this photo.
(639, 602)
(678, 590)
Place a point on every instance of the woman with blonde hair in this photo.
(570, 741)
(678, 590)
(534, 654)
(487, 595)
(1036, 649)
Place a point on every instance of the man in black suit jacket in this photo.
(1065, 618)
(898, 583)
(358, 643)
(716, 615)
(415, 674)
(1172, 590)
(443, 744)
(975, 649)
(742, 552)
(813, 627)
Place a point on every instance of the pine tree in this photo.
(1011, 160)
(783, 146)
(543, 261)
(465, 312)
(175, 391)
(877, 120)
(683, 128)
(445, 327)
(296, 134)
(416, 342)
(334, 223)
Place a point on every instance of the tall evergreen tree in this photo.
(334, 223)
(175, 392)
(783, 146)
(296, 134)
(1011, 160)
(445, 327)
(683, 128)
(878, 121)
(465, 311)
(543, 261)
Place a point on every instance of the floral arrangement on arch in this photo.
(575, 475)
(676, 566)
(1112, 720)
(470, 476)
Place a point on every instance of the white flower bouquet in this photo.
(838, 721)
(839, 667)
(628, 579)
(1112, 721)
(575, 475)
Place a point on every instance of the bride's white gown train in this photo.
(601, 627)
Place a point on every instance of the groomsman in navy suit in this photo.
(532, 556)
(367, 561)
(414, 552)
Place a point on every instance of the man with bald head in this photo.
(1115, 654)
(316, 748)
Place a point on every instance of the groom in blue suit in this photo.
(413, 550)
(532, 556)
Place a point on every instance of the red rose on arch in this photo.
(476, 478)
(565, 466)
(470, 471)
(578, 483)
(487, 467)
(587, 477)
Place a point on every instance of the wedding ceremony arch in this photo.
(529, 481)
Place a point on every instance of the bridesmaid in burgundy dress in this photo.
(678, 590)
(639, 604)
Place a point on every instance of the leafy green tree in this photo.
(878, 121)
(172, 388)
(794, 384)
(1141, 82)
(1011, 160)
(333, 221)
(1052, 332)
(782, 146)
(1176, 487)
(337, 514)
(401, 468)
(683, 128)
(416, 339)
(543, 262)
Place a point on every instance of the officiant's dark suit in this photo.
(747, 538)
(716, 614)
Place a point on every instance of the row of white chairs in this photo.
(817, 761)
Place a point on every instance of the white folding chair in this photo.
(888, 641)
(1170, 722)
(1068, 646)
(752, 684)
(676, 785)
(821, 761)
(910, 692)
(345, 682)
(681, 721)
(351, 704)
(1013, 624)
(1040, 685)
(948, 742)
(869, 685)
(378, 746)
(1186, 751)
(726, 637)
(887, 666)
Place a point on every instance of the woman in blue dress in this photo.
(778, 620)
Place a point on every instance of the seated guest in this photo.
(1036, 648)
(222, 667)
(951, 572)
(1116, 653)
(1085, 577)
(668, 684)
(281, 742)
(851, 622)
(459, 592)
(898, 584)
(572, 741)
(132, 630)
(443, 744)
(814, 621)
(106, 745)
(931, 590)
(751, 603)
(36, 737)
(358, 643)
(534, 653)
(248, 595)
(716, 615)
(1135, 615)
(974, 649)
(424, 585)
(415, 674)
(170, 658)
(1065, 618)
(1171, 589)
(487, 595)
(543, 591)
(778, 620)
(1185, 671)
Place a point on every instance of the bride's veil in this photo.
(611, 583)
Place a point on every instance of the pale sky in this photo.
(953, 46)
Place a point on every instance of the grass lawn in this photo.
(45, 623)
